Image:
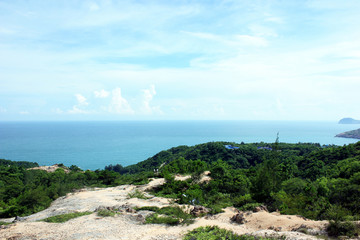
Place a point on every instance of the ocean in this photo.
(93, 145)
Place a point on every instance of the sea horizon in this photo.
(96, 144)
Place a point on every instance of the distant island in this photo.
(349, 121)
(350, 134)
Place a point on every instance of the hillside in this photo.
(129, 223)
(349, 121)
(350, 134)
(244, 156)
(316, 182)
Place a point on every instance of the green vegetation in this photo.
(305, 179)
(137, 194)
(106, 213)
(65, 217)
(317, 182)
(216, 233)
(346, 228)
(23, 164)
(23, 192)
(4, 223)
(147, 208)
(167, 215)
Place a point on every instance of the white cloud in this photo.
(24, 112)
(101, 94)
(148, 95)
(119, 104)
(3, 110)
(81, 100)
(78, 108)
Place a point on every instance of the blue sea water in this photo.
(93, 145)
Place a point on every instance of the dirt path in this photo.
(128, 225)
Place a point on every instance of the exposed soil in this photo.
(129, 225)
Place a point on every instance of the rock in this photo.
(140, 218)
(198, 211)
(238, 218)
(19, 219)
(130, 210)
(350, 134)
(260, 208)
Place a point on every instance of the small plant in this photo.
(168, 215)
(137, 194)
(106, 213)
(155, 218)
(147, 208)
(4, 223)
(249, 206)
(65, 217)
(216, 233)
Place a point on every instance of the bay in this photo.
(93, 145)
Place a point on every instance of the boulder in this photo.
(19, 219)
(198, 211)
(238, 218)
(261, 208)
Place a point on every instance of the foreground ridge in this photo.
(129, 224)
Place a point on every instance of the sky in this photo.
(179, 60)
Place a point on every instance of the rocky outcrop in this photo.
(350, 134)
(260, 208)
(240, 217)
(199, 211)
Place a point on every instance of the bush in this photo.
(65, 217)
(4, 223)
(137, 194)
(337, 228)
(155, 218)
(249, 206)
(106, 213)
(147, 208)
(216, 233)
(168, 215)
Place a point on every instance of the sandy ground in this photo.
(128, 225)
(49, 168)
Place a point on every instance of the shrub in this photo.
(216, 233)
(337, 228)
(155, 218)
(4, 223)
(65, 217)
(106, 213)
(169, 215)
(147, 208)
(249, 206)
(137, 194)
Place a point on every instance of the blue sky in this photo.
(179, 60)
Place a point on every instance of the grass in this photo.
(4, 223)
(216, 233)
(137, 194)
(65, 217)
(157, 219)
(106, 213)
(147, 208)
(168, 215)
